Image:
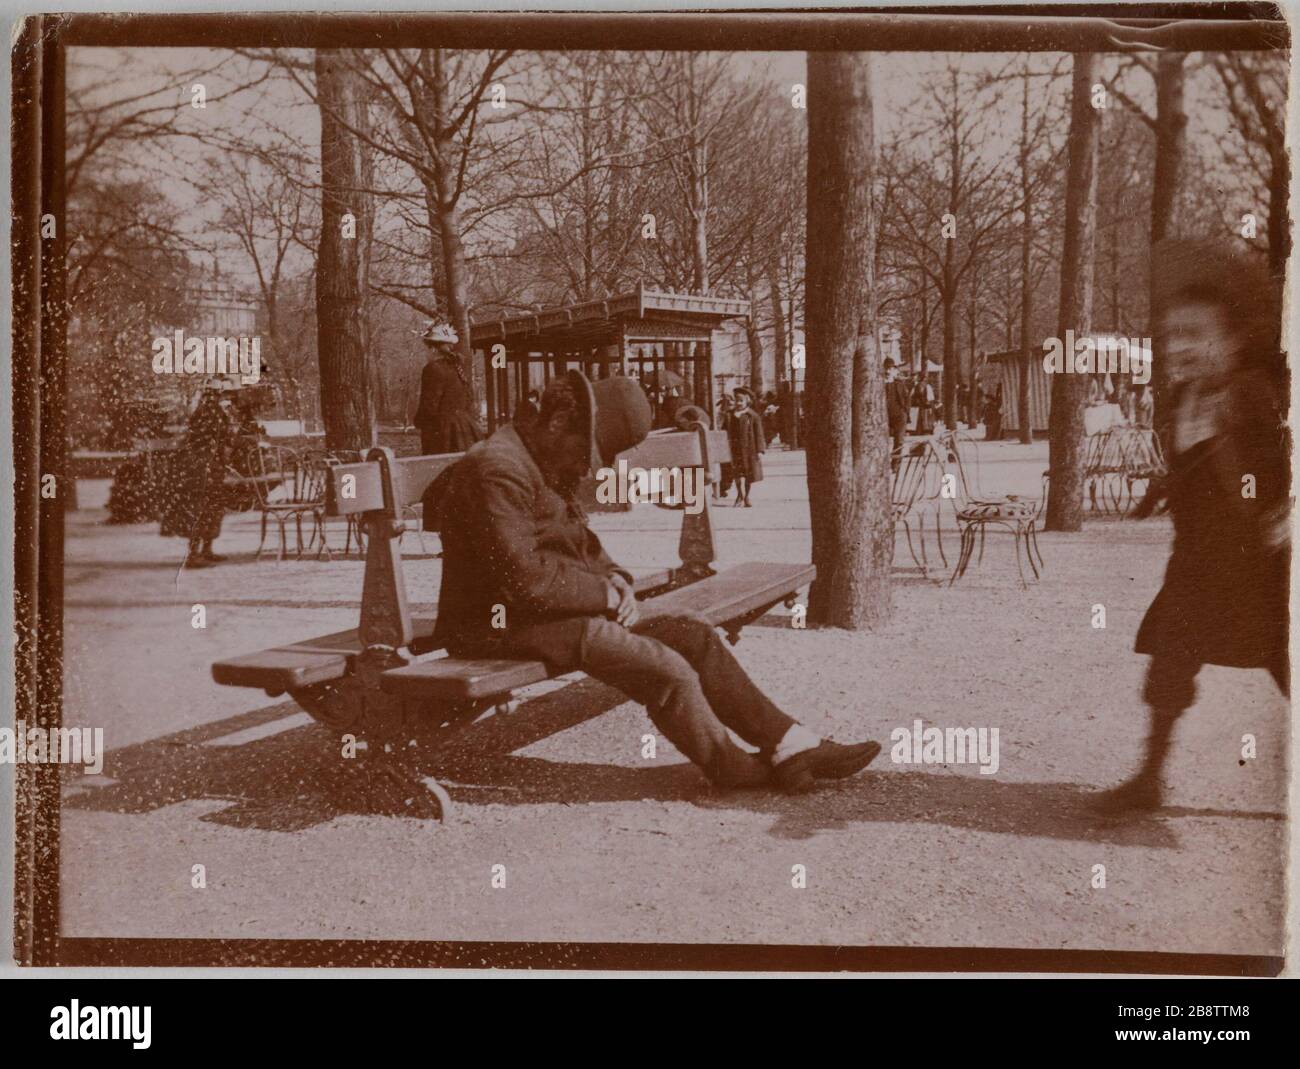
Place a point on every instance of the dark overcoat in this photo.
(509, 540)
(745, 432)
(445, 416)
(1224, 598)
(195, 497)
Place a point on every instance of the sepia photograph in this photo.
(614, 490)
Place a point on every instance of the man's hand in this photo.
(621, 601)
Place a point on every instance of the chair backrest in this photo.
(311, 478)
(947, 460)
(273, 470)
(909, 477)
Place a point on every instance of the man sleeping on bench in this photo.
(516, 541)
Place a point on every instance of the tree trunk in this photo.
(1171, 138)
(346, 408)
(755, 341)
(1065, 450)
(951, 355)
(780, 362)
(1026, 264)
(848, 456)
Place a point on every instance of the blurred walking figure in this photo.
(195, 502)
(445, 416)
(745, 431)
(1224, 598)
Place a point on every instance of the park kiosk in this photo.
(644, 333)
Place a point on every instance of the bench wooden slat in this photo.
(300, 664)
(727, 596)
(321, 659)
(737, 591)
(463, 679)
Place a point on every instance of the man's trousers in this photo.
(679, 668)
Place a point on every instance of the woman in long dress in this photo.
(195, 502)
(1224, 598)
(445, 416)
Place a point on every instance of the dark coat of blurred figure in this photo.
(1226, 588)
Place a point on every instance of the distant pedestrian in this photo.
(923, 399)
(529, 409)
(726, 478)
(445, 415)
(745, 432)
(896, 407)
(194, 502)
(993, 415)
(771, 416)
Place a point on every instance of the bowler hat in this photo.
(617, 414)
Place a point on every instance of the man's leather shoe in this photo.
(829, 760)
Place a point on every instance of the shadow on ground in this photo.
(290, 781)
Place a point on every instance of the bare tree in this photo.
(1254, 85)
(947, 219)
(1169, 126)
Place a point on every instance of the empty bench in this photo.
(385, 684)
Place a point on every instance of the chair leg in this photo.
(1029, 554)
(1033, 535)
(981, 557)
(262, 539)
(1016, 549)
(907, 530)
(938, 534)
(322, 532)
(964, 554)
(920, 538)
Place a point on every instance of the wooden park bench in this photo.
(387, 686)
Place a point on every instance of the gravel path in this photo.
(599, 844)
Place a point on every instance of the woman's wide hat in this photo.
(439, 330)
